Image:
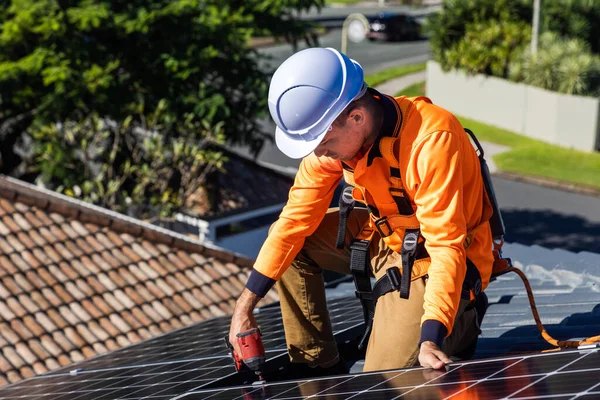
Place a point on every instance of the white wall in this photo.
(569, 121)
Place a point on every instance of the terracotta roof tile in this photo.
(74, 291)
(172, 307)
(4, 229)
(84, 288)
(79, 228)
(117, 279)
(16, 307)
(62, 294)
(147, 270)
(36, 279)
(40, 300)
(144, 292)
(82, 245)
(95, 284)
(124, 299)
(99, 348)
(91, 309)
(120, 323)
(102, 305)
(39, 368)
(187, 278)
(97, 331)
(114, 303)
(5, 247)
(76, 281)
(5, 312)
(155, 290)
(134, 296)
(41, 321)
(9, 334)
(156, 266)
(5, 365)
(47, 235)
(4, 292)
(163, 312)
(140, 316)
(27, 372)
(164, 287)
(23, 282)
(36, 347)
(26, 240)
(80, 312)
(182, 303)
(64, 360)
(10, 224)
(13, 357)
(25, 353)
(51, 297)
(106, 282)
(167, 265)
(76, 356)
(30, 260)
(88, 352)
(37, 238)
(74, 337)
(57, 319)
(50, 345)
(11, 285)
(86, 334)
(51, 364)
(108, 326)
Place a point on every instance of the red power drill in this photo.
(252, 349)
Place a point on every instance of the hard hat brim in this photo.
(295, 148)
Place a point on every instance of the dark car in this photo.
(394, 27)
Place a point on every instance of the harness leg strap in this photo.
(408, 254)
(359, 266)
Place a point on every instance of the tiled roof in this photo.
(244, 186)
(77, 281)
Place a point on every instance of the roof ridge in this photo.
(32, 195)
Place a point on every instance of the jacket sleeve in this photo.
(437, 165)
(307, 204)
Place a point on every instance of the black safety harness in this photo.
(413, 248)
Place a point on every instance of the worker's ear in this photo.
(357, 116)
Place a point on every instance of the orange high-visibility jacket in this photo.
(441, 175)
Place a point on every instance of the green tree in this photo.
(82, 63)
(450, 26)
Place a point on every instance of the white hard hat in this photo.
(307, 93)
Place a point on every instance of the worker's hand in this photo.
(430, 356)
(243, 318)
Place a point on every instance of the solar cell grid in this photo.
(573, 373)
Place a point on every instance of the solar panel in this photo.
(169, 365)
(567, 374)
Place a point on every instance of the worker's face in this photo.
(345, 138)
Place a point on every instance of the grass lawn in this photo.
(529, 156)
(391, 73)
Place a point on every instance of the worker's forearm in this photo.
(247, 301)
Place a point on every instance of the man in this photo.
(390, 150)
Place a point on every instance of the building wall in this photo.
(565, 120)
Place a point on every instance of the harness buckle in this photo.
(383, 226)
(394, 276)
(360, 245)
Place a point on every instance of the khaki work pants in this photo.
(396, 327)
